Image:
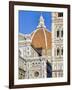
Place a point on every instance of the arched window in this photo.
(19, 52)
(21, 73)
(61, 33)
(58, 51)
(62, 51)
(57, 33)
(60, 14)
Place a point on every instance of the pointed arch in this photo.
(62, 51)
(62, 33)
(58, 51)
(58, 33)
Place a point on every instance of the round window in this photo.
(36, 74)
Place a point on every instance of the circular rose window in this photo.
(36, 74)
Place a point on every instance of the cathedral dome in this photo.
(41, 38)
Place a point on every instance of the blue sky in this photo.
(28, 20)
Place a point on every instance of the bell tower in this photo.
(57, 44)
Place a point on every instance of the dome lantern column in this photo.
(41, 22)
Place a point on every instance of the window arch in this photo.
(21, 73)
(60, 14)
(58, 51)
(62, 33)
(19, 52)
(58, 33)
(62, 51)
